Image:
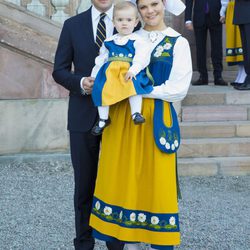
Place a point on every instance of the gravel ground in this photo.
(36, 209)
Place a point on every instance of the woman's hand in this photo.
(189, 26)
(222, 19)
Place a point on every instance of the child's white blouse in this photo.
(140, 60)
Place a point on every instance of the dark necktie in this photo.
(101, 31)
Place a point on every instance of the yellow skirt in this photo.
(136, 182)
(116, 88)
(234, 51)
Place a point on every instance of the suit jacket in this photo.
(195, 11)
(76, 45)
(241, 12)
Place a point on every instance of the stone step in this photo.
(212, 95)
(214, 147)
(215, 129)
(210, 113)
(233, 166)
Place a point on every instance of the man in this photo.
(242, 18)
(206, 17)
(79, 43)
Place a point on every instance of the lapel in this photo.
(87, 24)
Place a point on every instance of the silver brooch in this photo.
(153, 36)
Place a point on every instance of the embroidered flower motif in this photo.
(240, 50)
(167, 46)
(132, 216)
(157, 54)
(107, 210)
(97, 205)
(162, 141)
(130, 55)
(154, 220)
(172, 221)
(160, 49)
(230, 51)
(141, 217)
(176, 143)
(120, 215)
(121, 55)
(173, 147)
(167, 145)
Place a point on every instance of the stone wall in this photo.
(33, 108)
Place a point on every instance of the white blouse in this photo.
(140, 60)
(223, 9)
(176, 87)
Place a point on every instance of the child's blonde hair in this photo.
(122, 5)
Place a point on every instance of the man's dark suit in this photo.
(242, 18)
(202, 22)
(76, 45)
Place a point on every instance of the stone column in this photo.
(60, 15)
(84, 5)
(37, 7)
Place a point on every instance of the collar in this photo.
(96, 13)
(166, 32)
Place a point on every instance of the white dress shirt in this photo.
(95, 14)
(176, 87)
(223, 9)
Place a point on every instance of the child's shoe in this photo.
(97, 130)
(138, 118)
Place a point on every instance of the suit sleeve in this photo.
(189, 10)
(62, 73)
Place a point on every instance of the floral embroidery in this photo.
(107, 210)
(120, 215)
(172, 221)
(132, 217)
(165, 139)
(97, 205)
(154, 220)
(240, 50)
(135, 219)
(161, 49)
(142, 217)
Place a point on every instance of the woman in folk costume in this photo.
(119, 68)
(135, 198)
(234, 51)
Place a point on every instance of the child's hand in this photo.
(129, 76)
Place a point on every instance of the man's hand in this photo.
(129, 76)
(189, 26)
(87, 84)
(222, 19)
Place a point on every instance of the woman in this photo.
(135, 198)
(234, 51)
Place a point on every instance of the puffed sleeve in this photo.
(142, 56)
(100, 60)
(223, 9)
(176, 87)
